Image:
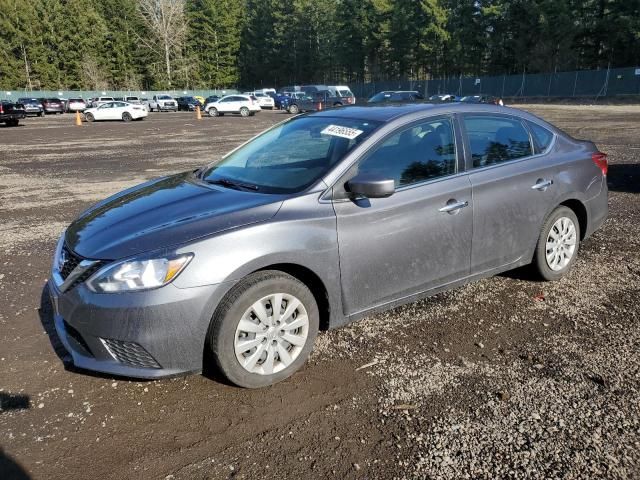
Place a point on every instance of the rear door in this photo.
(513, 189)
(416, 239)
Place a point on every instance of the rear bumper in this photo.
(12, 116)
(597, 209)
(152, 334)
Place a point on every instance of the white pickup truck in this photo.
(163, 103)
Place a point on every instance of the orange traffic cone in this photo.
(198, 114)
(78, 119)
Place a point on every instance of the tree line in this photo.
(159, 44)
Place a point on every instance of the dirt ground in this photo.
(506, 377)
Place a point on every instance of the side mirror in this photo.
(371, 186)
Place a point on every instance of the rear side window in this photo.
(495, 140)
(415, 154)
(541, 136)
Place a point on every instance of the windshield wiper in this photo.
(226, 182)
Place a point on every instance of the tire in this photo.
(294, 109)
(12, 122)
(244, 111)
(213, 112)
(89, 117)
(251, 114)
(126, 117)
(40, 114)
(337, 104)
(552, 260)
(225, 332)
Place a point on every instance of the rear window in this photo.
(496, 139)
(541, 136)
(345, 93)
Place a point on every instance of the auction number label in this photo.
(344, 132)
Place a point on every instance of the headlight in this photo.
(133, 275)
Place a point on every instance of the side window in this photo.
(541, 135)
(496, 139)
(414, 154)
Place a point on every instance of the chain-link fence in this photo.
(15, 94)
(586, 83)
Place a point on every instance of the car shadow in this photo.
(525, 273)
(9, 468)
(624, 177)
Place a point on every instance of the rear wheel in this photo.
(13, 122)
(558, 244)
(264, 329)
(213, 112)
(244, 111)
(126, 116)
(89, 117)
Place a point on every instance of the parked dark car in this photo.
(52, 105)
(318, 221)
(280, 101)
(399, 96)
(480, 99)
(211, 99)
(188, 103)
(313, 101)
(11, 113)
(32, 106)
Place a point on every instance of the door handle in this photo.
(453, 206)
(542, 184)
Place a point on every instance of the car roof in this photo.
(393, 111)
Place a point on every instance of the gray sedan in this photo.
(318, 221)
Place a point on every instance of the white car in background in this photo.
(264, 100)
(116, 111)
(245, 105)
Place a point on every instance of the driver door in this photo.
(412, 241)
(105, 111)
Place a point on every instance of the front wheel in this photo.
(89, 117)
(294, 109)
(126, 116)
(213, 112)
(244, 111)
(558, 244)
(264, 329)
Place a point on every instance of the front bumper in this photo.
(151, 334)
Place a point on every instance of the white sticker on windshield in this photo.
(344, 132)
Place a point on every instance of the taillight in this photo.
(600, 159)
(1, 108)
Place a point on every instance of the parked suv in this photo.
(245, 105)
(52, 105)
(318, 221)
(32, 106)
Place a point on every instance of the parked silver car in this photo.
(316, 222)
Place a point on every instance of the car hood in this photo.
(163, 213)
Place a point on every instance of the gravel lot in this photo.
(507, 377)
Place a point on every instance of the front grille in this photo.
(71, 262)
(130, 353)
(77, 341)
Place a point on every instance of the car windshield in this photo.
(164, 97)
(290, 156)
(379, 97)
